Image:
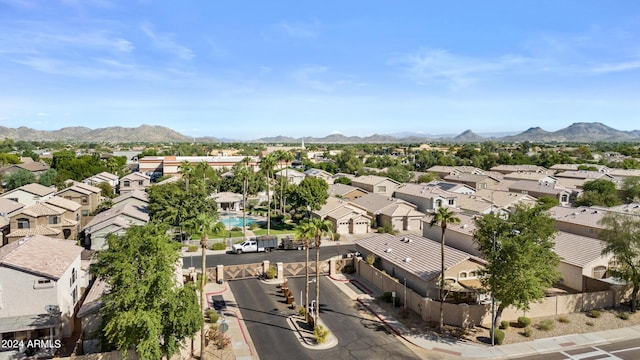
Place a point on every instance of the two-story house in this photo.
(88, 196)
(113, 221)
(55, 217)
(30, 194)
(103, 177)
(376, 184)
(8, 208)
(134, 181)
(40, 286)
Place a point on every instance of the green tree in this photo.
(399, 174)
(204, 224)
(547, 202)
(343, 180)
(106, 190)
(48, 177)
(322, 228)
(427, 178)
(443, 217)
(598, 192)
(310, 194)
(348, 162)
(521, 263)
(19, 178)
(621, 236)
(267, 164)
(145, 311)
(630, 189)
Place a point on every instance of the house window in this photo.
(438, 203)
(564, 198)
(54, 220)
(463, 275)
(85, 212)
(381, 189)
(42, 283)
(599, 272)
(85, 200)
(74, 295)
(482, 186)
(127, 183)
(451, 201)
(524, 192)
(74, 275)
(23, 223)
(77, 217)
(140, 183)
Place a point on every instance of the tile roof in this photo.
(37, 230)
(468, 177)
(41, 255)
(136, 176)
(375, 202)
(34, 166)
(528, 176)
(372, 180)
(578, 250)
(583, 174)
(123, 209)
(8, 206)
(423, 254)
(536, 187)
(425, 191)
(42, 209)
(400, 209)
(505, 199)
(342, 189)
(136, 194)
(34, 188)
(518, 168)
(63, 203)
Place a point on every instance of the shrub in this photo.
(193, 248)
(206, 279)
(524, 321)
(504, 324)
(219, 339)
(349, 269)
(213, 316)
(498, 336)
(271, 272)
(320, 334)
(370, 259)
(219, 246)
(336, 237)
(527, 332)
(254, 226)
(302, 311)
(387, 297)
(594, 314)
(236, 228)
(546, 325)
(590, 323)
(563, 319)
(623, 315)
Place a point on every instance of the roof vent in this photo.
(464, 226)
(388, 250)
(407, 259)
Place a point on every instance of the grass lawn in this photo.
(273, 232)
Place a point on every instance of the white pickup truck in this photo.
(257, 244)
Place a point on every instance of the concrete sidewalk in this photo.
(459, 349)
(241, 342)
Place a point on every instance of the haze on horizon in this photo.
(246, 72)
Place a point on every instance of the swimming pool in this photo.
(236, 221)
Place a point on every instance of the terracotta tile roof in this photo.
(123, 209)
(371, 180)
(37, 230)
(41, 255)
(342, 189)
(425, 191)
(34, 166)
(33, 188)
(136, 194)
(42, 209)
(63, 203)
(420, 256)
(8, 206)
(375, 202)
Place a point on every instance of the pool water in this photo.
(236, 221)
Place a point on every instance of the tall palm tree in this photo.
(287, 157)
(306, 232)
(322, 227)
(186, 168)
(442, 217)
(204, 224)
(267, 164)
(245, 185)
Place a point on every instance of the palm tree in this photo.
(306, 231)
(245, 184)
(442, 217)
(287, 157)
(204, 224)
(267, 164)
(322, 227)
(186, 168)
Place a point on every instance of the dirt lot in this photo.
(575, 323)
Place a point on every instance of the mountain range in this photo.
(578, 132)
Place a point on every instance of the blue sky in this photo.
(250, 69)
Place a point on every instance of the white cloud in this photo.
(165, 42)
(299, 30)
(41, 114)
(616, 67)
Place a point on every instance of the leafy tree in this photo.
(171, 204)
(443, 217)
(343, 180)
(427, 178)
(19, 178)
(621, 236)
(598, 192)
(547, 202)
(9, 159)
(348, 162)
(310, 194)
(31, 154)
(630, 189)
(106, 190)
(522, 264)
(48, 177)
(145, 311)
(399, 174)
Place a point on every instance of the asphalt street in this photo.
(624, 350)
(359, 335)
(326, 252)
